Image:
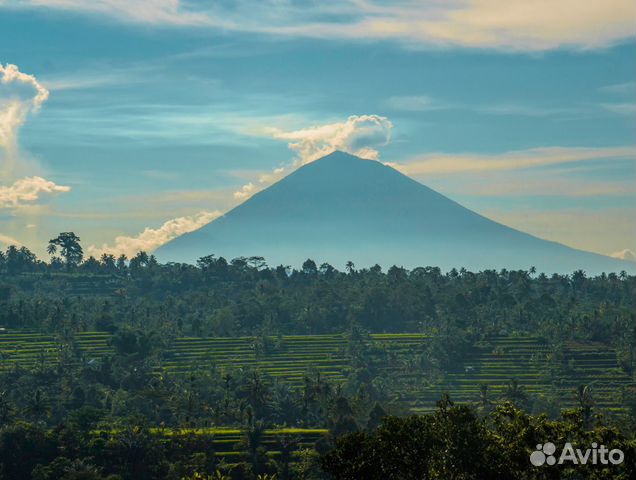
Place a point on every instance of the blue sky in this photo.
(162, 114)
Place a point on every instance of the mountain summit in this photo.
(342, 208)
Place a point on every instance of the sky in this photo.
(130, 122)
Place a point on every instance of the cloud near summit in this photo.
(360, 135)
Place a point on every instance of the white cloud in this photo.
(625, 254)
(14, 109)
(152, 238)
(15, 106)
(11, 73)
(246, 191)
(28, 189)
(264, 180)
(359, 135)
(501, 24)
(443, 163)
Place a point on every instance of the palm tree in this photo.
(586, 402)
(5, 408)
(515, 392)
(252, 442)
(70, 248)
(37, 405)
(484, 400)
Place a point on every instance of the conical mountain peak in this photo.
(341, 207)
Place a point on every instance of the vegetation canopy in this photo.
(118, 368)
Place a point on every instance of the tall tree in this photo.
(69, 246)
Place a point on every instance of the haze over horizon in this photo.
(169, 114)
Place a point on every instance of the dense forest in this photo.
(123, 414)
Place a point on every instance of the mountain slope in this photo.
(342, 208)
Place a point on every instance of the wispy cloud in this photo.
(427, 103)
(620, 108)
(625, 254)
(7, 240)
(548, 184)
(152, 238)
(154, 12)
(444, 163)
(620, 88)
(522, 110)
(88, 80)
(416, 103)
(511, 24)
(627, 105)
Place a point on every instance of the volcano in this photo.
(342, 208)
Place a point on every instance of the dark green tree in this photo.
(69, 246)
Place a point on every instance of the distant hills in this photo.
(342, 208)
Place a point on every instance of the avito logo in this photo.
(544, 455)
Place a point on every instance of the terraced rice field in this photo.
(289, 358)
(29, 350)
(525, 359)
(224, 441)
(286, 358)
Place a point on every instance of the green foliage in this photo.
(453, 443)
(119, 369)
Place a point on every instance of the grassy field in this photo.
(397, 358)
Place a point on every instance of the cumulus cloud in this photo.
(625, 254)
(28, 189)
(14, 109)
(264, 179)
(246, 191)
(359, 135)
(152, 238)
(501, 24)
(20, 96)
(11, 73)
